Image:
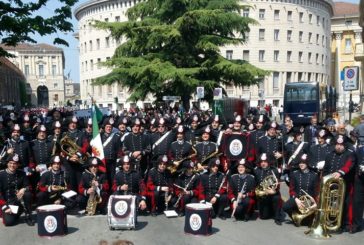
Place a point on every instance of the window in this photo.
(55, 98)
(246, 55)
(310, 37)
(91, 65)
(55, 85)
(289, 77)
(275, 80)
(276, 14)
(261, 34)
(107, 42)
(317, 59)
(301, 17)
(318, 20)
(85, 65)
(322, 60)
(98, 44)
(261, 14)
(317, 39)
(106, 19)
(41, 70)
(289, 16)
(276, 55)
(246, 35)
(348, 22)
(54, 70)
(300, 76)
(26, 70)
(309, 77)
(109, 89)
(347, 45)
(309, 57)
(40, 57)
(98, 63)
(300, 56)
(310, 18)
(323, 22)
(90, 44)
(229, 54)
(246, 12)
(276, 35)
(261, 55)
(289, 36)
(117, 18)
(300, 36)
(85, 45)
(323, 40)
(289, 56)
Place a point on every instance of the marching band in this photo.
(167, 162)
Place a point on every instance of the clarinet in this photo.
(238, 199)
(223, 181)
(185, 189)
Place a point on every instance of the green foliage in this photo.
(19, 19)
(173, 46)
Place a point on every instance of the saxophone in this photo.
(94, 198)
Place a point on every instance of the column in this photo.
(358, 40)
(338, 85)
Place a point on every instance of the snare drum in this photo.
(52, 220)
(198, 219)
(121, 212)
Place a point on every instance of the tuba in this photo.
(308, 209)
(269, 182)
(94, 199)
(70, 148)
(329, 214)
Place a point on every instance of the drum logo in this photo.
(236, 147)
(50, 224)
(195, 222)
(121, 207)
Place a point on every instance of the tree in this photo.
(173, 46)
(20, 19)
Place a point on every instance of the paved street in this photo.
(161, 230)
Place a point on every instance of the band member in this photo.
(271, 145)
(159, 186)
(215, 129)
(93, 185)
(259, 131)
(161, 141)
(205, 149)
(242, 193)
(52, 184)
(302, 182)
(212, 189)
(122, 124)
(112, 145)
(41, 149)
(87, 131)
(186, 187)
(358, 203)
(295, 149)
(73, 164)
(269, 199)
(55, 137)
(27, 130)
(136, 146)
(340, 163)
(180, 149)
(15, 193)
(317, 153)
(194, 134)
(310, 132)
(129, 182)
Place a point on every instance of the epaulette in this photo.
(251, 175)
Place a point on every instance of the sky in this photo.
(71, 53)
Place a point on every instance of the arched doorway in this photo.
(43, 96)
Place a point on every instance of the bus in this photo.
(302, 100)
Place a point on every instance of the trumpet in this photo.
(70, 148)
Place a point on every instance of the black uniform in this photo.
(291, 149)
(190, 183)
(358, 202)
(269, 145)
(163, 147)
(137, 142)
(22, 148)
(10, 183)
(318, 153)
(204, 149)
(111, 143)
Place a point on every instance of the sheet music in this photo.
(69, 194)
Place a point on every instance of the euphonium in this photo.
(93, 199)
(308, 209)
(269, 182)
(70, 148)
(329, 214)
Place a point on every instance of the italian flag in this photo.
(96, 143)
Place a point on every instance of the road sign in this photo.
(351, 75)
(200, 92)
(217, 93)
(171, 98)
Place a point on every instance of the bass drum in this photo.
(198, 219)
(122, 212)
(52, 220)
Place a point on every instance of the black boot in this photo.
(29, 220)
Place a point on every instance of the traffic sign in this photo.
(171, 98)
(217, 93)
(351, 75)
(200, 92)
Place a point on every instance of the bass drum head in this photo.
(120, 207)
(50, 208)
(198, 206)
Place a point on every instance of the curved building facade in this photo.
(292, 40)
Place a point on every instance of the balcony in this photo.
(359, 52)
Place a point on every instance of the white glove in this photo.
(320, 165)
(361, 167)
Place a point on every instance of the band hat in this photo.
(178, 120)
(263, 157)
(340, 139)
(161, 122)
(251, 127)
(74, 119)
(180, 129)
(41, 128)
(13, 157)
(216, 118)
(16, 127)
(57, 124)
(188, 164)
(89, 121)
(136, 122)
(26, 118)
(304, 159)
(195, 118)
(238, 119)
(55, 159)
(242, 162)
(273, 125)
(207, 130)
(261, 118)
(322, 133)
(214, 162)
(162, 159)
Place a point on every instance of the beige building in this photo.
(346, 34)
(359, 51)
(292, 40)
(43, 66)
(72, 91)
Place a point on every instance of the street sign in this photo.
(171, 98)
(200, 92)
(217, 93)
(351, 75)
